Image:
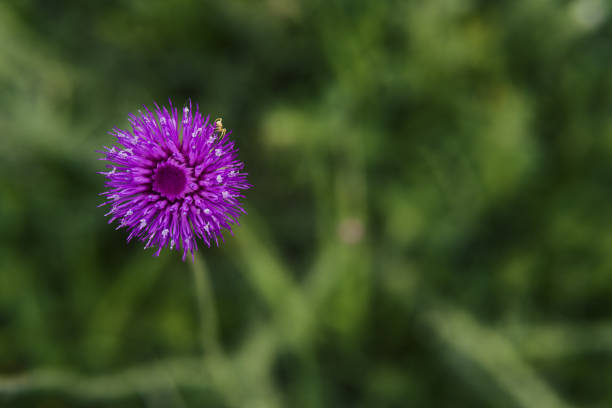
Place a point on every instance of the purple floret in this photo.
(169, 181)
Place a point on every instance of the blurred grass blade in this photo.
(554, 341)
(492, 354)
(206, 305)
(272, 280)
(148, 378)
(116, 306)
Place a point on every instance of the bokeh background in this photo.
(429, 226)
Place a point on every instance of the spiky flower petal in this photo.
(173, 179)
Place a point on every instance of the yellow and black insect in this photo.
(219, 127)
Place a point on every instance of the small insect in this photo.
(219, 127)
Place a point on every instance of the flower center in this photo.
(169, 180)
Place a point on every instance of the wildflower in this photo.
(172, 181)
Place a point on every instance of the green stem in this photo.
(206, 306)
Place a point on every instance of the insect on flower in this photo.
(173, 179)
(219, 127)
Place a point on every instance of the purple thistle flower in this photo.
(171, 181)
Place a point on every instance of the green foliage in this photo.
(427, 227)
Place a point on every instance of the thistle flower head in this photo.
(173, 178)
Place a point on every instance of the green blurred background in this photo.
(429, 224)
